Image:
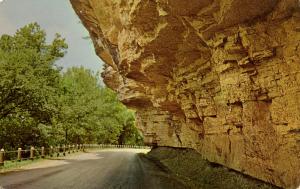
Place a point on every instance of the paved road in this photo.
(105, 169)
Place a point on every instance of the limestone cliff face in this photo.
(219, 76)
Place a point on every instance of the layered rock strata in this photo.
(219, 76)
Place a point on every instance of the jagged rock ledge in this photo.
(221, 77)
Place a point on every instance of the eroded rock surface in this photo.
(219, 76)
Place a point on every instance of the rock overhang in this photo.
(221, 76)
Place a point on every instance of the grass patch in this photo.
(13, 165)
(10, 165)
(188, 165)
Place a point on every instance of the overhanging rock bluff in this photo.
(222, 77)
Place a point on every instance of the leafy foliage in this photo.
(39, 105)
(91, 113)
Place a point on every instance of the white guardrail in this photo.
(41, 152)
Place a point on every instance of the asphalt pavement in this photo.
(107, 169)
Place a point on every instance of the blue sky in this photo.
(54, 16)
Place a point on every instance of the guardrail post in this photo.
(31, 152)
(64, 150)
(57, 150)
(19, 158)
(2, 157)
(73, 147)
(69, 149)
(51, 151)
(43, 152)
(76, 147)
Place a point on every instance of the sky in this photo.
(54, 16)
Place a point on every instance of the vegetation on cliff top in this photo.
(40, 105)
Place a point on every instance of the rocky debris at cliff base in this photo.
(189, 167)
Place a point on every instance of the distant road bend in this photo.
(118, 168)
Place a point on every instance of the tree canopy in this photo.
(40, 105)
(90, 112)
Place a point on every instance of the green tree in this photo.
(28, 85)
(40, 105)
(91, 113)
